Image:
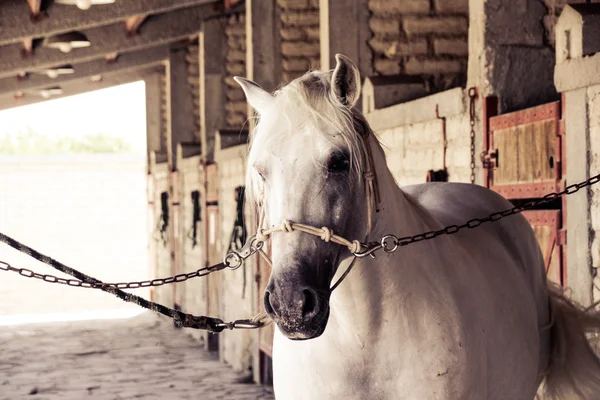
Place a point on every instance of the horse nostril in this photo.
(268, 306)
(310, 308)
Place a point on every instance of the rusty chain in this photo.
(121, 285)
(180, 318)
(234, 259)
(472, 114)
(391, 243)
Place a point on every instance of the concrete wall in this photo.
(299, 37)
(412, 137)
(88, 212)
(162, 251)
(593, 95)
(192, 257)
(421, 37)
(238, 294)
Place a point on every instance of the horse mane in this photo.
(308, 105)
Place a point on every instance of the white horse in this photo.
(463, 316)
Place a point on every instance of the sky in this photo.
(118, 111)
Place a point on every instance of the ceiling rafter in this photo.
(82, 85)
(17, 25)
(127, 62)
(133, 24)
(160, 29)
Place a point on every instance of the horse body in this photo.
(463, 316)
(457, 317)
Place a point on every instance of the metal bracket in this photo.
(489, 159)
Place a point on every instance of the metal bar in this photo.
(490, 110)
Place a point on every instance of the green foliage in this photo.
(30, 142)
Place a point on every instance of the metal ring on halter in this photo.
(233, 261)
(369, 250)
(384, 243)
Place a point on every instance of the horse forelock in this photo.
(307, 104)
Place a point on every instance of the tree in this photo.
(31, 142)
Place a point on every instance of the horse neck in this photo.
(372, 280)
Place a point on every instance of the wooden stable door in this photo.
(524, 159)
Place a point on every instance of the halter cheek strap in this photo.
(371, 186)
(326, 234)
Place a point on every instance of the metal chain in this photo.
(180, 318)
(391, 243)
(472, 114)
(121, 285)
(233, 260)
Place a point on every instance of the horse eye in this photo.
(261, 172)
(338, 163)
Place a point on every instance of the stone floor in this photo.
(138, 358)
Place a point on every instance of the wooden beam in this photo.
(17, 26)
(126, 62)
(133, 24)
(159, 30)
(35, 6)
(8, 100)
(27, 47)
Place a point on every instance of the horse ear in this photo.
(256, 96)
(345, 81)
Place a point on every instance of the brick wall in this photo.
(236, 109)
(192, 60)
(421, 37)
(88, 212)
(299, 37)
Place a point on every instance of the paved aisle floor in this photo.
(138, 358)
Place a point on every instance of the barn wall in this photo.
(236, 347)
(236, 109)
(162, 294)
(299, 37)
(193, 257)
(421, 37)
(193, 68)
(412, 137)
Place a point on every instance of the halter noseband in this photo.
(326, 234)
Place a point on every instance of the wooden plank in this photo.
(158, 30)
(530, 115)
(545, 224)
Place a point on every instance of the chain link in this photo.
(234, 259)
(472, 114)
(391, 243)
(120, 285)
